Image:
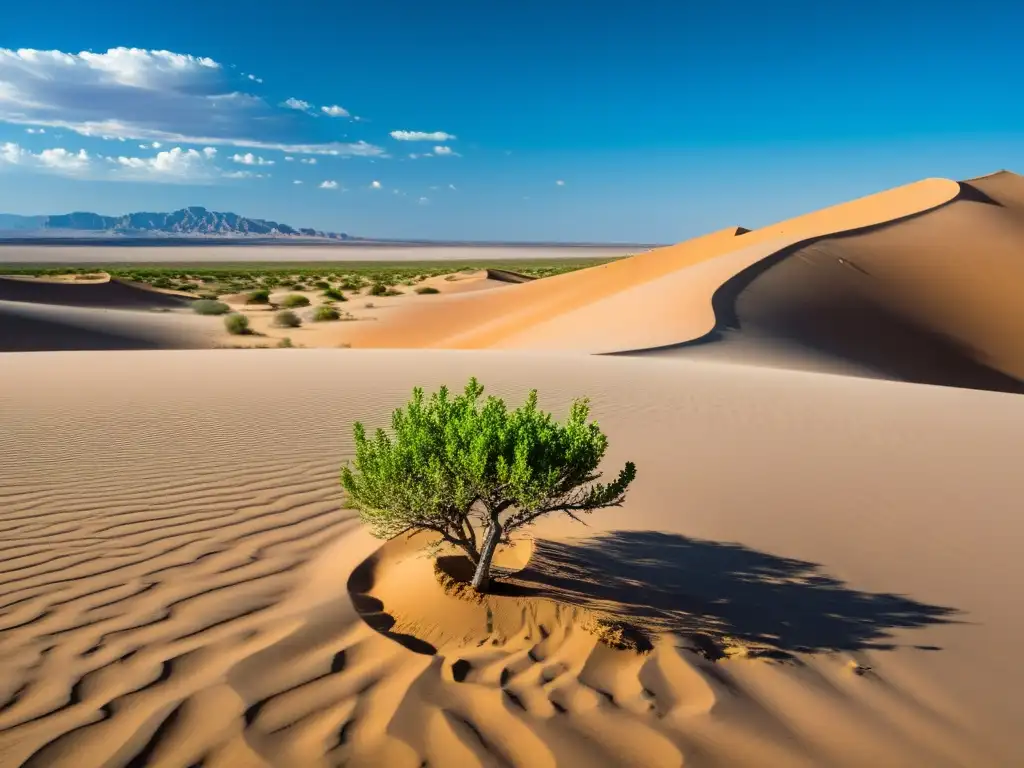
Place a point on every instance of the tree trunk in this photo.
(482, 577)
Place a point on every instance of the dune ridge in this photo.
(173, 587)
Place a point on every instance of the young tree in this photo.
(474, 472)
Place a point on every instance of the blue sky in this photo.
(597, 121)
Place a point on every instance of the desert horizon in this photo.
(807, 570)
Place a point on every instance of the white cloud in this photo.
(288, 158)
(245, 175)
(144, 95)
(451, 186)
(424, 200)
(172, 165)
(329, 185)
(422, 136)
(35, 130)
(255, 79)
(334, 111)
(250, 159)
(308, 160)
(297, 181)
(413, 155)
(374, 185)
(560, 183)
(55, 160)
(299, 104)
(445, 152)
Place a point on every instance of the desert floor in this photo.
(820, 550)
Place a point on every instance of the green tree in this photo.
(473, 472)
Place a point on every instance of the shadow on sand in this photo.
(719, 595)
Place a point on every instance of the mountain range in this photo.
(194, 220)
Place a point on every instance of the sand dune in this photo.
(932, 298)
(175, 562)
(106, 294)
(652, 299)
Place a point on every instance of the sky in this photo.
(509, 120)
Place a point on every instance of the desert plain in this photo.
(818, 564)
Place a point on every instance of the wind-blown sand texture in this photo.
(816, 566)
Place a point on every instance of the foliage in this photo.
(295, 300)
(260, 296)
(210, 307)
(427, 289)
(285, 343)
(324, 313)
(378, 289)
(237, 324)
(473, 472)
(334, 295)
(287, 319)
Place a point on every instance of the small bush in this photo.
(287, 319)
(285, 343)
(294, 300)
(322, 285)
(209, 295)
(334, 295)
(237, 324)
(368, 305)
(261, 296)
(378, 289)
(351, 285)
(427, 289)
(325, 312)
(210, 307)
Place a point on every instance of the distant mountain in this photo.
(194, 220)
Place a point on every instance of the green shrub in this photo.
(261, 296)
(321, 285)
(334, 295)
(209, 295)
(237, 324)
(475, 471)
(285, 343)
(324, 313)
(351, 284)
(426, 289)
(378, 289)
(287, 319)
(210, 307)
(294, 300)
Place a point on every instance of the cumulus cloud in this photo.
(174, 165)
(288, 158)
(424, 200)
(442, 151)
(245, 175)
(55, 160)
(308, 160)
(297, 181)
(422, 136)
(299, 104)
(35, 130)
(250, 159)
(374, 185)
(328, 184)
(150, 95)
(560, 183)
(334, 111)
(451, 186)
(255, 79)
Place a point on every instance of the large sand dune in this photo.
(176, 572)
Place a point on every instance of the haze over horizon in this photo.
(529, 123)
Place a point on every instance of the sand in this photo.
(176, 560)
(816, 564)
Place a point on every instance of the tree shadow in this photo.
(719, 594)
